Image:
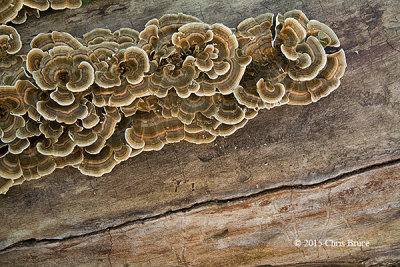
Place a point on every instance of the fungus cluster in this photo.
(95, 101)
(17, 11)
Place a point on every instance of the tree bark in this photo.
(327, 172)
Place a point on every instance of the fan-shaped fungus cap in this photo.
(24, 13)
(325, 34)
(186, 109)
(106, 58)
(302, 93)
(98, 164)
(41, 5)
(10, 40)
(5, 185)
(156, 37)
(150, 131)
(61, 147)
(292, 63)
(97, 36)
(270, 93)
(202, 137)
(134, 65)
(69, 114)
(30, 95)
(255, 36)
(47, 41)
(9, 10)
(11, 109)
(61, 66)
(126, 36)
(74, 158)
(317, 60)
(226, 83)
(104, 129)
(29, 164)
(12, 69)
(126, 93)
(30, 129)
(96, 102)
(171, 76)
(229, 112)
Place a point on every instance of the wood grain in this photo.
(355, 127)
(249, 231)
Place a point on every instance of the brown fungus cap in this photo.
(69, 114)
(98, 164)
(104, 129)
(24, 13)
(41, 5)
(229, 111)
(11, 110)
(30, 95)
(134, 65)
(30, 164)
(302, 93)
(47, 41)
(18, 145)
(5, 185)
(9, 10)
(126, 37)
(93, 102)
(97, 36)
(61, 66)
(156, 40)
(255, 36)
(150, 131)
(325, 34)
(125, 94)
(12, 69)
(106, 58)
(61, 147)
(315, 51)
(226, 83)
(178, 77)
(10, 40)
(74, 158)
(30, 129)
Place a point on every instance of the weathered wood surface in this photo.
(250, 231)
(163, 201)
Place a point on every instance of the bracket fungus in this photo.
(95, 101)
(17, 11)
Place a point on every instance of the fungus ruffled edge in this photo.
(95, 101)
(17, 11)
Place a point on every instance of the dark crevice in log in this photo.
(35, 242)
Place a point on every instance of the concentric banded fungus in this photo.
(112, 64)
(47, 41)
(11, 65)
(61, 66)
(12, 69)
(10, 41)
(287, 69)
(9, 10)
(93, 102)
(41, 5)
(17, 10)
(24, 13)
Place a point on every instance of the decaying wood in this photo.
(161, 208)
(250, 231)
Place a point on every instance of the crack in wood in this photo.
(36, 242)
